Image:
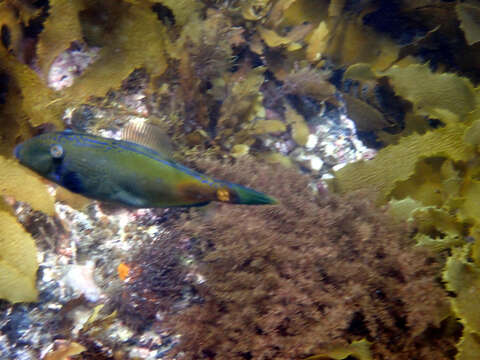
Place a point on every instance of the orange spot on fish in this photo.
(223, 195)
(123, 271)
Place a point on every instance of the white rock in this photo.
(312, 141)
(330, 149)
(311, 162)
(338, 166)
(80, 279)
(316, 163)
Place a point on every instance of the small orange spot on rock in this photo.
(123, 270)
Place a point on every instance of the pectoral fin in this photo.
(128, 199)
(73, 182)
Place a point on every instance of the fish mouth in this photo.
(17, 151)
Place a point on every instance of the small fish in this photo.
(126, 173)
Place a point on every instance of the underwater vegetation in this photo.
(246, 84)
(308, 276)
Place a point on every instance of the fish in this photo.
(126, 173)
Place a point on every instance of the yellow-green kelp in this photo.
(358, 349)
(18, 262)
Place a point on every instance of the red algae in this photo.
(292, 280)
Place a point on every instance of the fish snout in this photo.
(17, 151)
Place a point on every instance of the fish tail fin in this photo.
(238, 194)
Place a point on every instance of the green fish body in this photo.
(125, 172)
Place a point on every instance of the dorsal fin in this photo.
(148, 135)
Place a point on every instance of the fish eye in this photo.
(56, 151)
